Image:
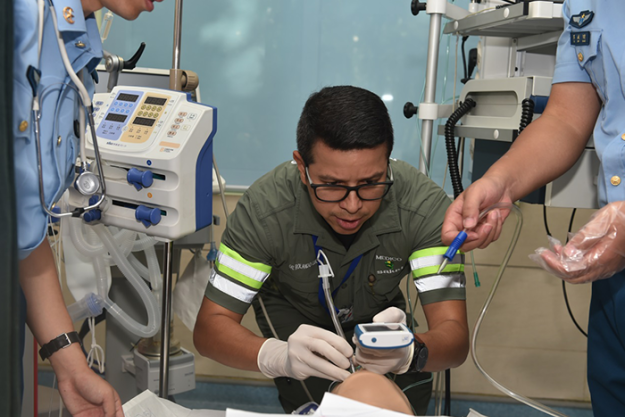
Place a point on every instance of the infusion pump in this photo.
(156, 148)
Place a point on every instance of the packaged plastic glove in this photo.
(596, 251)
(310, 351)
(382, 361)
(189, 290)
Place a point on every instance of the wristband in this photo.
(59, 342)
(419, 357)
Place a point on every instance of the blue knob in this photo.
(140, 178)
(148, 216)
(92, 215)
(93, 199)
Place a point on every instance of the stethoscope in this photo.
(87, 183)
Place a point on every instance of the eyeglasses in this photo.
(333, 193)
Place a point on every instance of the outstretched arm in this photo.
(83, 392)
(544, 151)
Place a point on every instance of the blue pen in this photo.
(453, 248)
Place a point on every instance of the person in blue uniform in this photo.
(83, 392)
(587, 98)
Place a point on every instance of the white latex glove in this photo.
(594, 252)
(310, 351)
(382, 361)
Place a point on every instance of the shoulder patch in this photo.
(582, 19)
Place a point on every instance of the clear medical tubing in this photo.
(154, 270)
(139, 267)
(331, 308)
(325, 283)
(143, 243)
(534, 404)
(90, 249)
(135, 280)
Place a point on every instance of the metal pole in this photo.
(175, 75)
(175, 83)
(165, 319)
(430, 89)
(177, 34)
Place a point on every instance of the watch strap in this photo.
(419, 357)
(59, 342)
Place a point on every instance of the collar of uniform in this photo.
(60, 6)
(309, 221)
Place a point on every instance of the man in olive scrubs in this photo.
(376, 220)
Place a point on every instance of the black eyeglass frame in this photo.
(349, 189)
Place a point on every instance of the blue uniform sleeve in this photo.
(59, 105)
(569, 67)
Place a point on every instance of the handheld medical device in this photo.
(156, 147)
(383, 335)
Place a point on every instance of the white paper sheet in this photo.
(147, 404)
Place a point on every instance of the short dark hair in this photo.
(344, 118)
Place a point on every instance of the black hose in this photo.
(452, 155)
(464, 61)
(456, 181)
(527, 113)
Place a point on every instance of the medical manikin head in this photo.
(128, 9)
(344, 137)
(374, 389)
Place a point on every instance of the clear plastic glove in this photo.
(597, 251)
(382, 361)
(310, 351)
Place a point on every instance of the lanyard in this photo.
(350, 270)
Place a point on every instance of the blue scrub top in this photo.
(592, 49)
(59, 108)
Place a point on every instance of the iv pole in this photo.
(168, 251)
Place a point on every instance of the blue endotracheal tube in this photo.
(453, 249)
(462, 236)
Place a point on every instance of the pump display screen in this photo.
(143, 121)
(155, 101)
(113, 117)
(127, 97)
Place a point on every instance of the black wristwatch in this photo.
(59, 342)
(419, 357)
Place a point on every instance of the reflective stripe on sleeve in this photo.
(436, 282)
(230, 263)
(425, 264)
(231, 288)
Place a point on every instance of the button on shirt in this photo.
(58, 109)
(599, 62)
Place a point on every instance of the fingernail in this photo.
(469, 222)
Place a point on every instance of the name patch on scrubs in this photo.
(580, 38)
(582, 19)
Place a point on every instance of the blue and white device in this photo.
(383, 335)
(157, 149)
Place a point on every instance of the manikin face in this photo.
(128, 9)
(349, 168)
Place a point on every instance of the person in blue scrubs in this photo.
(83, 392)
(587, 98)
